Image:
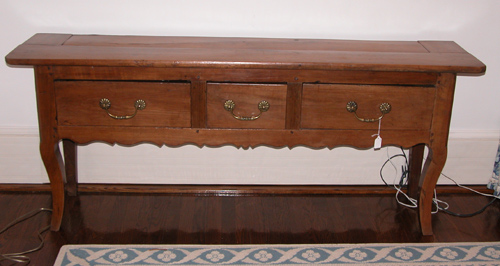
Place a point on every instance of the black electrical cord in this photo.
(468, 214)
(404, 169)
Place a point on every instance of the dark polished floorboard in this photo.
(168, 219)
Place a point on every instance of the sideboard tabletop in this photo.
(224, 52)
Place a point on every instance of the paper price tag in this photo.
(378, 143)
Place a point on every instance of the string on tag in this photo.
(378, 140)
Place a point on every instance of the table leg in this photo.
(52, 160)
(415, 169)
(438, 143)
(70, 164)
(49, 141)
(432, 170)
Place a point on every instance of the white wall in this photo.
(476, 116)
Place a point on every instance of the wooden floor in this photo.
(163, 218)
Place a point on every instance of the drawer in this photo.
(166, 104)
(249, 102)
(325, 106)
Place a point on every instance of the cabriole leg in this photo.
(432, 170)
(52, 160)
(49, 141)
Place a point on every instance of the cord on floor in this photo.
(403, 180)
(20, 257)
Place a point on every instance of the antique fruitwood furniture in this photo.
(245, 92)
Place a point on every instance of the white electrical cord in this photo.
(437, 201)
(414, 203)
(20, 257)
(470, 189)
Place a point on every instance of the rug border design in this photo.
(471, 253)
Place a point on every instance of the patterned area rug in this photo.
(332, 254)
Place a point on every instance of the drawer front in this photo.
(325, 106)
(248, 102)
(166, 104)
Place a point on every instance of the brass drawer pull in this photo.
(106, 104)
(385, 108)
(263, 106)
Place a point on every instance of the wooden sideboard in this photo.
(245, 92)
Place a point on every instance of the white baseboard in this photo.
(20, 157)
(470, 161)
